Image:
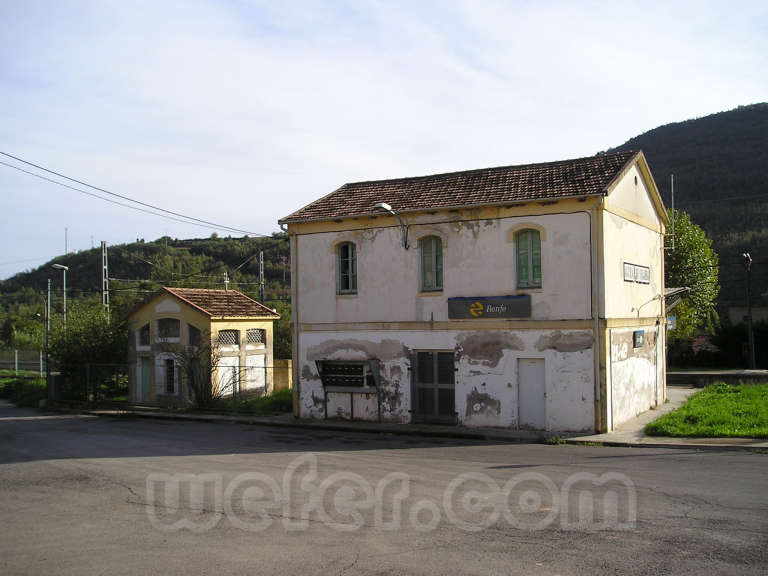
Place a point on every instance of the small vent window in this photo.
(229, 337)
(256, 336)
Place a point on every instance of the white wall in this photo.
(634, 374)
(486, 381)
(478, 260)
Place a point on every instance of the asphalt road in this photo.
(85, 495)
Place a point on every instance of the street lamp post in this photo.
(750, 333)
(64, 272)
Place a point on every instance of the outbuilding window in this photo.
(528, 243)
(144, 335)
(346, 265)
(431, 263)
(168, 329)
(229, 338)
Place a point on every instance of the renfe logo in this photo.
(490, 307)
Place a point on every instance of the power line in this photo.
(82, 183)
(223, 228)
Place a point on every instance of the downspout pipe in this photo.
(595, 234)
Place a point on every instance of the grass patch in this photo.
(719, 410)
(279, 402)
(23, 391)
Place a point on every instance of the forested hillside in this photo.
(720, 164)
(139, 269)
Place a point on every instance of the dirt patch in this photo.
(488, 347)
(387, 349)
(481, 403)
(565, 341)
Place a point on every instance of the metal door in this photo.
(531, 393)
(433, 387)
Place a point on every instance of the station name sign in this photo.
(518, 306)
(637, 273)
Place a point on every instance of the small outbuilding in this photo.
(182, 327)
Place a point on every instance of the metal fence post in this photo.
(16, 362)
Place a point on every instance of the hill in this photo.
(719, 165)
(139, 269)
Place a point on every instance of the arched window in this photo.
(346, 267)
(528, 243)
(431, 263)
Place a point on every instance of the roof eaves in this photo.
(510, 203)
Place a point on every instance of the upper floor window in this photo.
(431, 263)
(229, 337)
(144, 335)
(346, 266)
(528, 243)
(168, 328)
(256, 336)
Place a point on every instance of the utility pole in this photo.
(226, 280)
(48, 383)
(750, 333)
(261, 276)
(104, 278)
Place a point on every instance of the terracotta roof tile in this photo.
(230, 303)
(506, 184)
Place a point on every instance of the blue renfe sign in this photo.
(480, 307)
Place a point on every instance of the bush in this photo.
(23, 391)
(279, 402)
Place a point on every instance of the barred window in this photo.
(229, 337)
(170, 377)
(256, 336)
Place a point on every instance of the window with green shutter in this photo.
(528, 243)
(431, 263)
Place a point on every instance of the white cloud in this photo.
(243, 112)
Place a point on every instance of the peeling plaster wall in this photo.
(486, 380)
(478, 260)
(635, 385)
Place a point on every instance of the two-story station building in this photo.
(521, 296)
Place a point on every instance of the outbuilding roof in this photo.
(222, 303)
(488, 186)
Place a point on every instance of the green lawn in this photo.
(23, 391)
(718, 410)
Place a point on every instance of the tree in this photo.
(693, 264)
(198, 364)
(90, 337)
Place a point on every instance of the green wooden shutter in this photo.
(523, 274)
(535, 258)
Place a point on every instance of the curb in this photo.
(458, 434)
(683, 445)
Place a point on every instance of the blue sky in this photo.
(241, 112)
